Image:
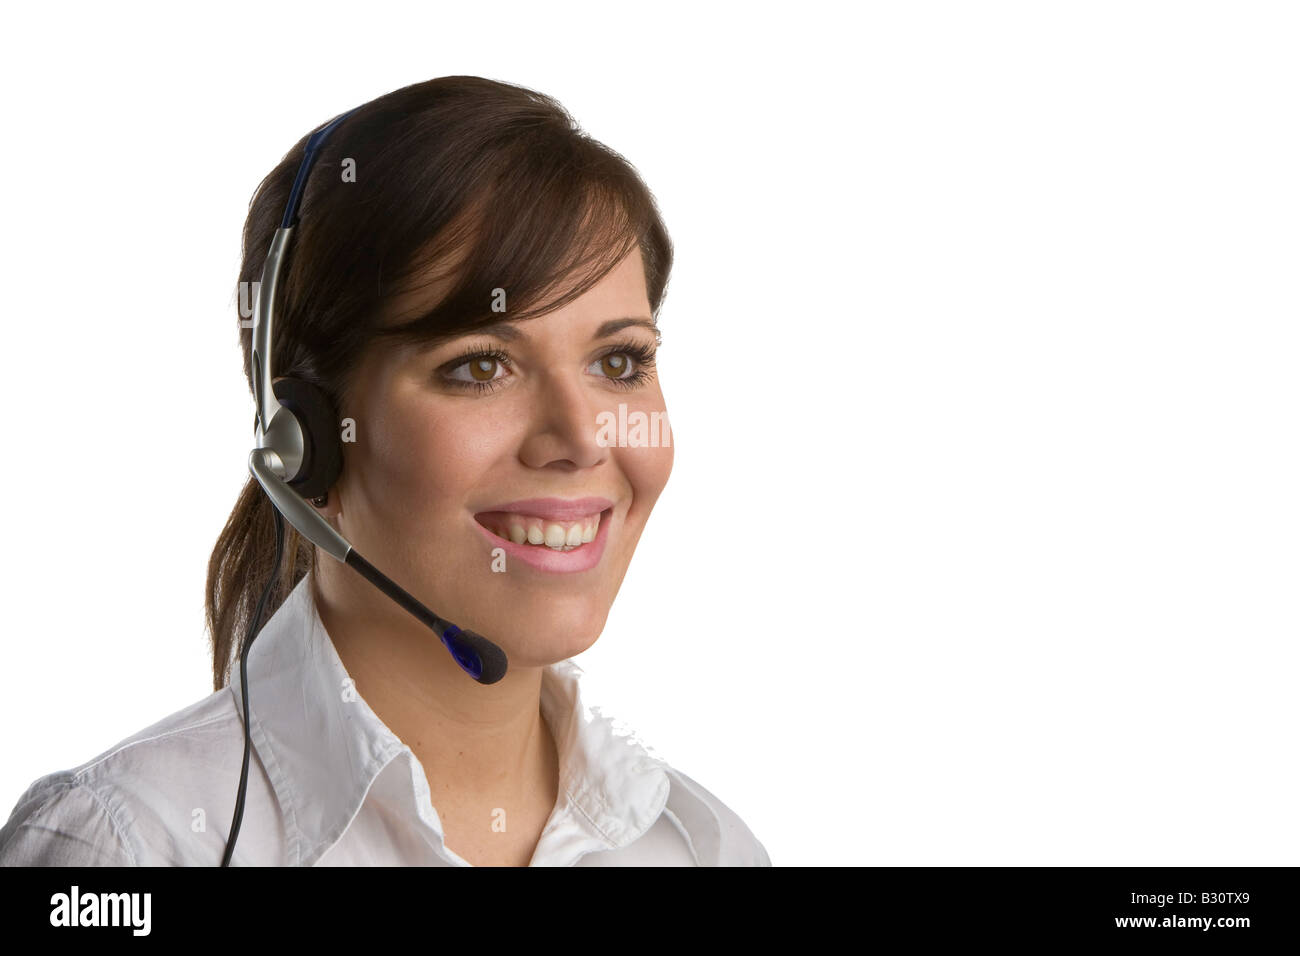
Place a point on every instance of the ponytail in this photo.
(238, 571)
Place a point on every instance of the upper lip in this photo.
(557, 509)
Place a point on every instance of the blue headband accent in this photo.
(314, 144)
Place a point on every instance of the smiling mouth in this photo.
(543, 532)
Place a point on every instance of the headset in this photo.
(299, 454)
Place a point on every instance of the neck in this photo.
(480, 744)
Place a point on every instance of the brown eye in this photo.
(615, 366)
(628, 366)
(486, 371)
(483, 369)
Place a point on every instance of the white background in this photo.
(982, 542)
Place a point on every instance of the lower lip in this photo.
(582, 558)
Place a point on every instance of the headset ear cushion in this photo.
(322, 458)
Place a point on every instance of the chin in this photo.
(538, 643)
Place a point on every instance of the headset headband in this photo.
(264, 309)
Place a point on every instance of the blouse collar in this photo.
(322, 746)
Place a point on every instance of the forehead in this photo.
(620, 292)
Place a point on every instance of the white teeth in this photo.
(555, 535)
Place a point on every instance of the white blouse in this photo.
(330, 785)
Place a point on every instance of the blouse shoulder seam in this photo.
(118, 829)
(127, 745)
(48, 790)
(681, 828)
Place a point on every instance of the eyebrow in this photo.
(510, 333)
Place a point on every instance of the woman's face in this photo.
(454, 456)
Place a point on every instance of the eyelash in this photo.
(643, 355)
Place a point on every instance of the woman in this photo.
(473, 283)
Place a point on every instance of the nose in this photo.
(562, 424)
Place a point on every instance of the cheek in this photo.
(645, 455)
(647, 471)
(433, 452)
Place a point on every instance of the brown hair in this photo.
(496, 177)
